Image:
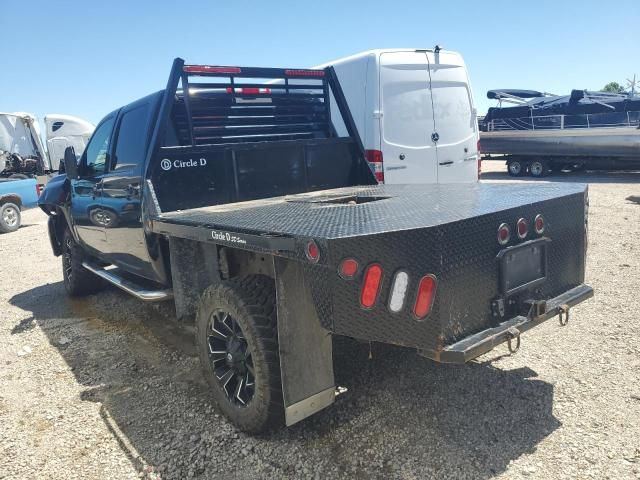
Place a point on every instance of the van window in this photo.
(453, 108)
(132, 138)
(407, 112)
(98, 148)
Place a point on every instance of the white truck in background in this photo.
(415, 113)
(24, 154)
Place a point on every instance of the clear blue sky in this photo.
(88, 57)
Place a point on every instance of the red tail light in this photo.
(374, 157)
(304, 73)
(210, 69)
(522, 228)
(371, 285)
(426, 294)
(348, 268)
(479, 161)
(313, 252)
(39, 189)
(249, 90)
(504, 234)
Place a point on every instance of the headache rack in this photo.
(221, 105)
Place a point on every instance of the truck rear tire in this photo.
(78, 281)
(237, 341)
(10, 218)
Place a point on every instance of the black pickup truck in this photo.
(231, 193)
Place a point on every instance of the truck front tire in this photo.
(78, 281)
(9, 217)
(237, 341)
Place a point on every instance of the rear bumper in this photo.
(482, 342)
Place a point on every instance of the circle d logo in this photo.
(165, 163)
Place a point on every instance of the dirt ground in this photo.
(108, 388)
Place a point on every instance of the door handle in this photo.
(450, 162)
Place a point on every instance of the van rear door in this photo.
(407, 120)
(455, 118)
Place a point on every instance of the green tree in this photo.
(613, 87)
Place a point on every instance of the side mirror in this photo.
(70, 163)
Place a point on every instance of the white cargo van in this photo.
(415, 113)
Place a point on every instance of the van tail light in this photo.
(376, 162)
(371, 285)
(479, 160)
(426, 294)
(39, 189)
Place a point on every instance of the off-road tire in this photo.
(78, 281)
(251, 303)
(10, 218)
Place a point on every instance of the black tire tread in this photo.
(255, 295)
(83, 282)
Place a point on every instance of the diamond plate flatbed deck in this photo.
(399, 207)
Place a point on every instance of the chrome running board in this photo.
(128, 286)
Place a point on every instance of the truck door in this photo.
(121, 205)
(86, 191)
(407, 121)
(455, 119)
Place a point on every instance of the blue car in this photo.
(15, 196)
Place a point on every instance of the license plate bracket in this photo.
(523, 266)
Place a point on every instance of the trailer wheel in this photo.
(78, 280)
(539, 168)
(9, 217)
(515, 168)
(237, 341)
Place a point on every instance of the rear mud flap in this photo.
(306, 355)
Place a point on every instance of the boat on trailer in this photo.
(538, 132)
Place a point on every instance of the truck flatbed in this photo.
(377, 209)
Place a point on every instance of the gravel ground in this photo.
(108, 388)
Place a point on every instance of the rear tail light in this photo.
(348, 268)
(398, 291)
(39, 189)
(426, 294)
(522, 228)
(371, 285)
(376, 162)
(313, 252)
(479, 160)
(210, 69)
(504, 234)
(538, 224)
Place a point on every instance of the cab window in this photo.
(132, 138)
(98, 149)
